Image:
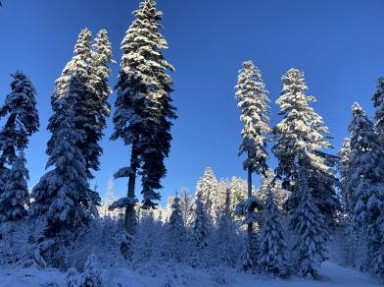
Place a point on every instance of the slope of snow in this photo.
(180, 275)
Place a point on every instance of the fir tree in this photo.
(345, 173)
(366, 186)
(271, 184)
(246, 262)
(302, 133)
(308, 227)
(93, 107)
(177, 232)
(143, 106)
(15, 196)
(22, 120)
(186, 205)
(63, 194)
(200, 235)
(273, 255)
(226, 233)
(253, 102)
(378, 103)
(206, 189)
(92, 274)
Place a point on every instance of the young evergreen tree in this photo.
(143, 106)
(306, 222)
(176, 232)
(378, 103)
(22, 120)
(206, 189)
(273, 253)
(271, 184)
(302, 129)
(92, 274)
(15, 196)
(200, 235)
(186, 205)
(345, 174)
(245, 262)
(226, 237)
(253, 102)
(367, 182)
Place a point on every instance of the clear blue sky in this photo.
(338, 44)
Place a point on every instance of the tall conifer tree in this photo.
(253, 102)
(22, 120)
(143, 107)
(302, 134)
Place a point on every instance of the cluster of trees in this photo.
(299, 206)
(62, 198)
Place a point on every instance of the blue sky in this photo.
(338, 44)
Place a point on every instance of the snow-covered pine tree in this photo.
(239, 191)
(345, 174)
(306, 222)
(302, 129)
(144, 241)
(92, 274)
(143, 106)
(206, 189)
(378, 103)
(271, 184)
(186, 205)
(200, 235)
(245, 262)
(226, 237)
(176, 232)
(253, 102)
(15, 196)
(63, 194)
(273, 253)
(93, 106)
(22, 120)
(366, 185)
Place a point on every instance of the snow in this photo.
(181, 275)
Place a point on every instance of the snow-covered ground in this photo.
(334, 276)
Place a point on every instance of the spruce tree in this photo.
(273, 255)
(143, 106)
(176, 232)
(366, 185)
(378, 103)
(302, 133)
(21, 121)
(306, 222)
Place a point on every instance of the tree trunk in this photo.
(130, 214)
(250, 225)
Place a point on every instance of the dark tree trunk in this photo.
(130, 214)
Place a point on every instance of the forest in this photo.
(315, 210)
